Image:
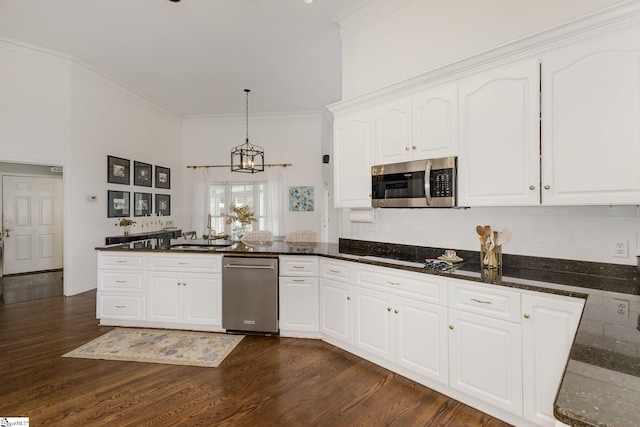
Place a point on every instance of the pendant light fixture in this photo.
(247, 158)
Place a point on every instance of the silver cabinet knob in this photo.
(526, 315)
(532, 187)
(546, 187)
(406, 148)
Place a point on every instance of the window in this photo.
(222, 195)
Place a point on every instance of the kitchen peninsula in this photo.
(601, 383)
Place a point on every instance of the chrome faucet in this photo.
(209, 228)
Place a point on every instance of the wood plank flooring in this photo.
(265, 381)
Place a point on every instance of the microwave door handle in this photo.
(427, 182)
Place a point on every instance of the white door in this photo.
(32, 211)
(373, 322)
(203, 305)
(336, 310)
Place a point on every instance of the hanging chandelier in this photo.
(247, 158)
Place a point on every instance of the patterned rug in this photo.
(206, 349)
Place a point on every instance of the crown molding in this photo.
(365, 12)
(233, 119)
(608, 20)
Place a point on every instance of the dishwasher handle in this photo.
(257, 267)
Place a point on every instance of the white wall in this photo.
(421, 35)
(55, 111)
(286, 138)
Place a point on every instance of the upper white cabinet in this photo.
(417, 127)
(353, 143)
(590, 114)
(499, 160)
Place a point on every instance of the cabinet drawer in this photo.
(126, 307)
(120, 261)
(488, 301)
(190, 262)
(336, 270)
(121, 281)
(431, 289)
(299, 266)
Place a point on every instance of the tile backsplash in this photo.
(585, 233)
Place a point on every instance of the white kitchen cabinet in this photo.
(590, 111)
(187, 298)
(499, 160)
(485, 359)
(299, 296)
(373, 322)
(549, 325)
(393, 138)
(336, 311)
(121, 291)
(353, 145)
(421, 126)
(434, 122)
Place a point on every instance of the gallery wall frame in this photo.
(163, 204)
(163, 177)
(118, 205)
(142, 204)
(118, 170)
(142, 174)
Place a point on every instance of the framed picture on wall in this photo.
(141, 204)
(163, 177)
(117, 204)
(142, 174)
(118, 170)
(163, 204)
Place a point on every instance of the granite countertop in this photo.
(601, 384)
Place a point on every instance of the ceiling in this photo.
(196, 57)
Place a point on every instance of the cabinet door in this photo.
(393, 132)
(164, 290)
(435, 122)
(299, 304)
(591, 106)
(421, 338)
(352, 160)
(485, 359)
(548, 328)
(202, 295)
(373, 322)
(499, 161)
(336, 310)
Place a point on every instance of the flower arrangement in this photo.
(125, 222)
(241, 214)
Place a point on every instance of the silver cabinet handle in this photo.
(121, 306)
(532, 187)
(121, 281)
(393, 283)
(396, 311)
(480, 301)
(388, 308)
(334, 271)
(297, 266)
(119, 261)
(546, 187)
(183, 263)
(406, 148)
(297, 280)
(414, 147)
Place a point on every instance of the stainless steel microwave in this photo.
(417, 184)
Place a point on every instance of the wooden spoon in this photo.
(480, 230)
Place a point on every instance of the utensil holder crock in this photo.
(491, 256)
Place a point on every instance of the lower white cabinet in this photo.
(298, 296)
(485, 359)
(336, 311)
(164, 290)
(373, 322)
(190, 298)
(549, 325)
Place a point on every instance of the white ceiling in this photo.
(196, 56)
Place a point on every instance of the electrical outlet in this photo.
(621, 249)
(622, 308)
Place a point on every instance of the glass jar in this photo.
(491, 256)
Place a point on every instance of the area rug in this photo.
(206, 349)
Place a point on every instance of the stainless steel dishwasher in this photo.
(250, 294)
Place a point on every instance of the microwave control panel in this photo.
(442, 183)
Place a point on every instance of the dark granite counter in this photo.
(601, 385)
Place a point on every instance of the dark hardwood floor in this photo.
(265, 381)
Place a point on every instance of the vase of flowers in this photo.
(126, 225)
(241, 217)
